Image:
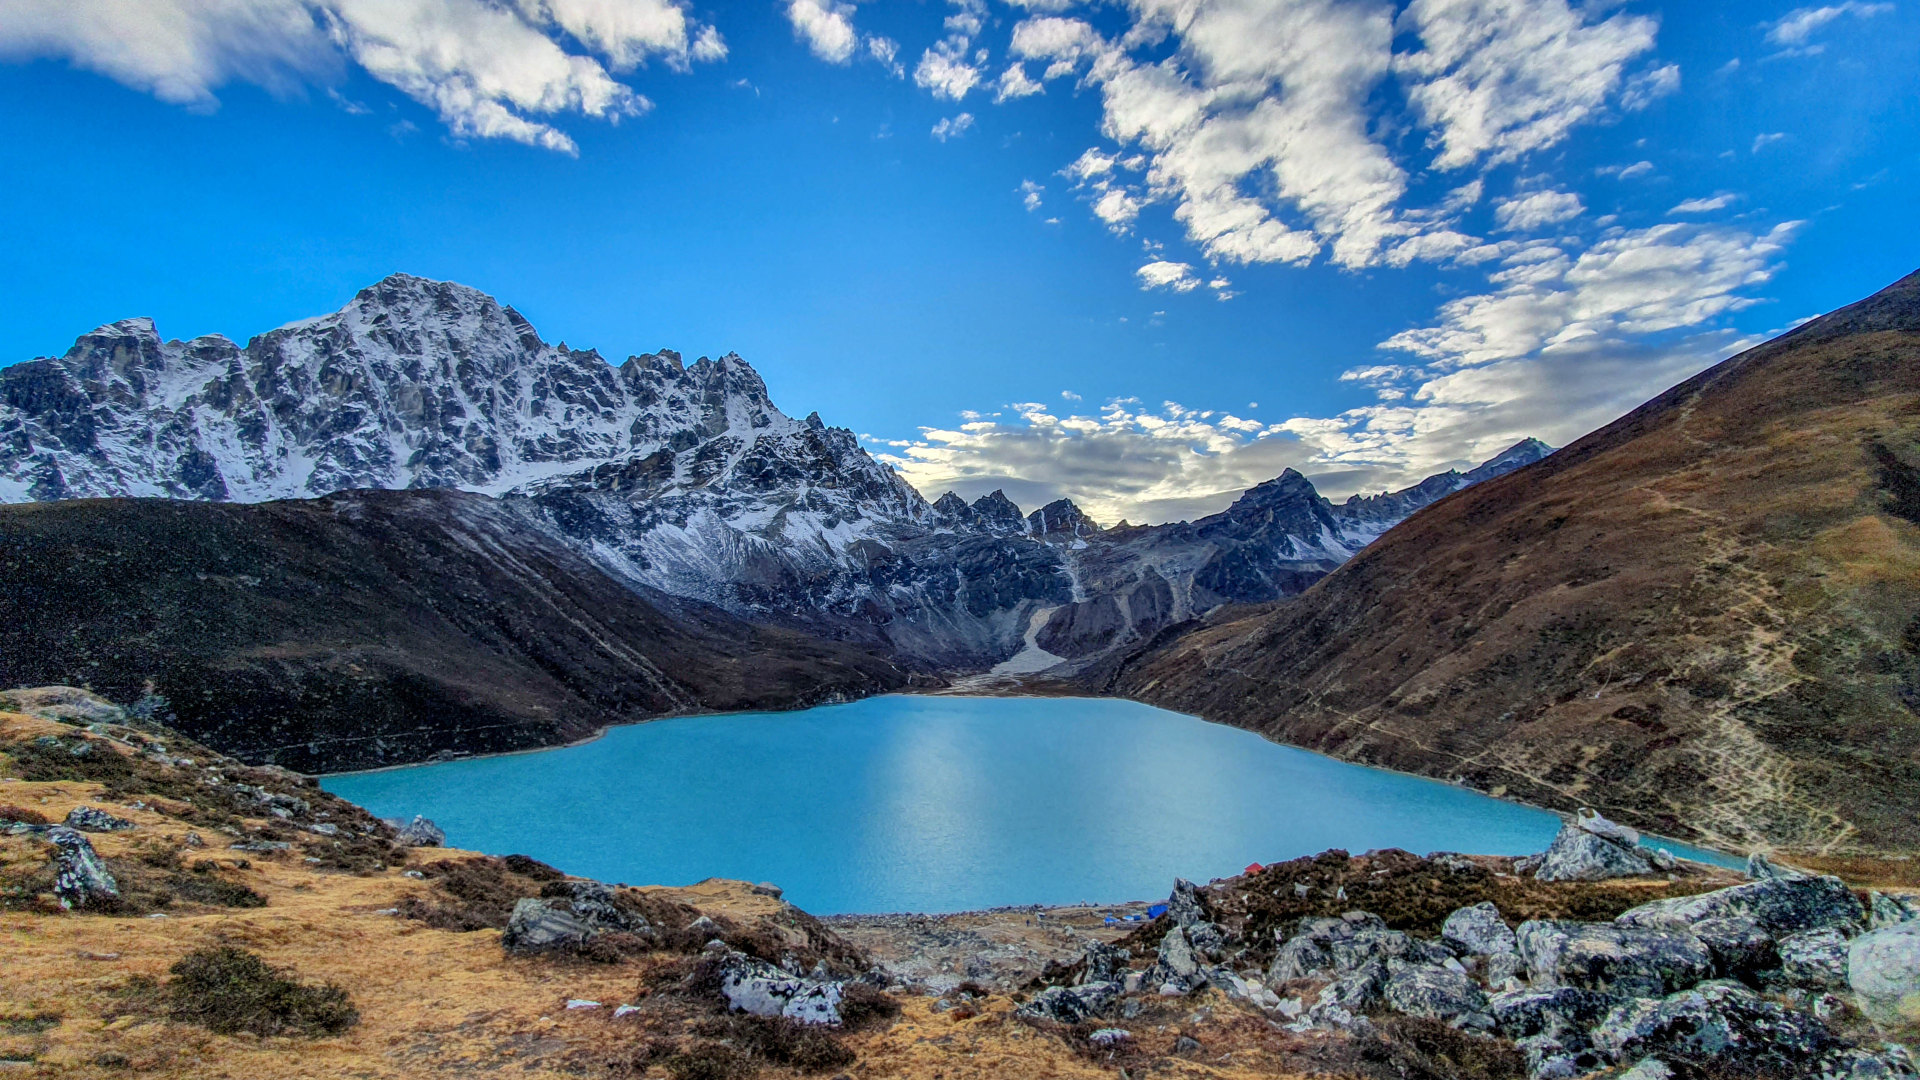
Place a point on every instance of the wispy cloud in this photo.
(1703, 206)
(952, 127)
(1796, 28)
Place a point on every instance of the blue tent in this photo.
(1156, 911)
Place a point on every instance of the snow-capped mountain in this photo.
(679, 477)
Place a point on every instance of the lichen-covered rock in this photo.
(1520, 1013)
(575, 913)
(1719, 1023)
(1592, 821)
(1310, 951)
(1433, 992)
(757, 987)
(1368, 946)
(1579, 855)
(1780, 905)
(1103, 963)
(1358, 990)
(1560, 1055)
(1883, 968)
(1760, 868)
(1071, 1004)
(93, 819)
(1814, 960)
(1176, 959)
(1632, 960)
(1478, 931)
(1884, 910)
(80, 879)
(68, 704)
(420, 832)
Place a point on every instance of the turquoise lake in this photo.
(911, 803)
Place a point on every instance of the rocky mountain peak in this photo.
(1060, 519)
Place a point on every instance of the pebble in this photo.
(582, 1003)
(625, 1010)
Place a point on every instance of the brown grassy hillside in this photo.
(1703, 618)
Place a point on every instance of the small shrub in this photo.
(205, 887)
(708, 1061)
(229, 990)
(1412, 1048)
(777, 1040)
(864, 1005)
(24, 816)
(528, 866)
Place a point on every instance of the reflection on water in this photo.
(937, 803)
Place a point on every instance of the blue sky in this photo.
(1185, 246)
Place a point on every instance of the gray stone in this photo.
(1885, 910)
(1358, 990)
(1501, 967)
(757, 987)
(1108, 1038)
(1780, 905)
(420, 832)
(1856, 1063)
(1741, 948)
(80, 879)
(1520, 1013)
(1579, 855)
(1559, 1056)
(1591, 821)
(768, 888)
(1760, 868)
(1176, 957)
(1883, 968)
(1633, 960)
(1720, 1023)
(1366, 947)
(261, 847)
(541, 926)
(93, 819)
(1103, 963)
(1814, 960)
(1186, 1044)
(1071, 1004)
(1478, 931)
(1300, 958)
(1435, 993)
(578, 912)
(1184, 906)
(1648, 1069)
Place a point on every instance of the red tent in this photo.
(1253, 868)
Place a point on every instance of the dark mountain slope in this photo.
(375, 627)
(1704, 618)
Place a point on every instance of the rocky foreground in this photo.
(172, 912)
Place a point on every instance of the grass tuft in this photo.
(230, 990)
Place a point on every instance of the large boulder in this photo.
(1814, 960)
(1720, 1024)
(94, 819)
(1632, 960)
(1579, 855)
(573, 913)
(1741, 948)
(1780, 905)
(420, 832)
(1433, 992)
(1885, 910)
(757, 987)
(1103, 963)
(1883, 968)
(66, 704)
(1311, 949)
(1520, 1013)
(1184, 906)
(1478, 931)
(80, 879)
(1176, 959)
(1071, 1004)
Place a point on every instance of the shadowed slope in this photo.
(1703, 618)
(375, 627)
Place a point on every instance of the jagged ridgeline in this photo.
(592, 485)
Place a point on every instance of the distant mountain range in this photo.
(680, 480)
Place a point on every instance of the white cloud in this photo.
(1030, 195)
(952, 127)
(1797, 26)
(887, 52)
(827, 28)
(1162, 274)
(1766, 139)
(1500, 78)
(947, 72)
(487, 69)
(1650, 86)
(1015, 83)
(1566, 342)
(1117, 208)
(1701, 206)
(1537, 209)
(1627, 172)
